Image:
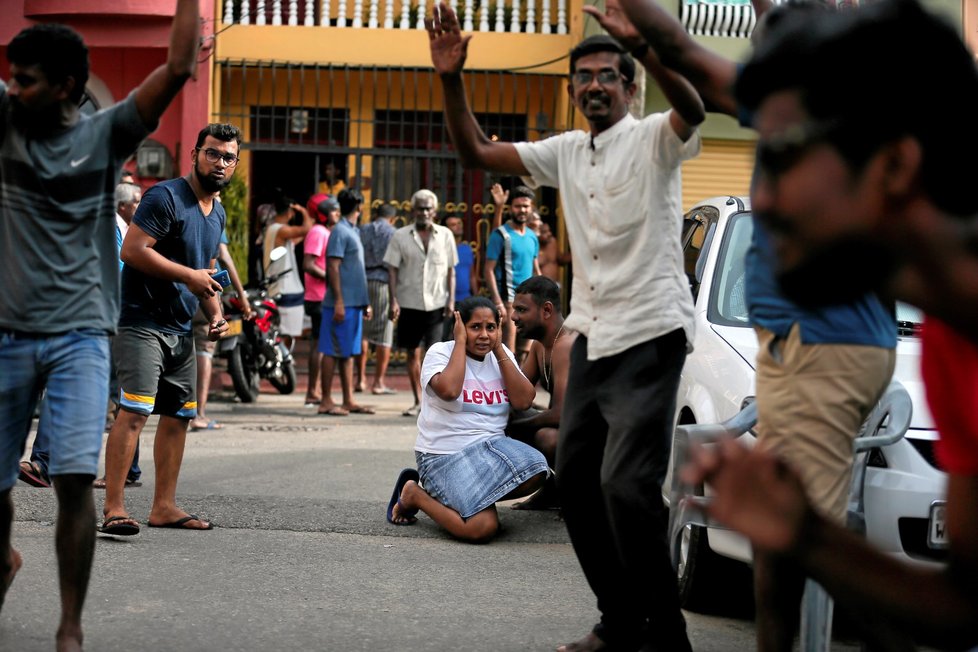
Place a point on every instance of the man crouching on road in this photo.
(170, 253)
(537, 317)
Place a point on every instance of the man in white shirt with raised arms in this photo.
(620, 189)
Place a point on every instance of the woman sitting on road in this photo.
(466, 463)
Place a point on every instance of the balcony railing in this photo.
(730, 19)
(510, 16)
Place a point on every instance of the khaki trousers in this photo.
(811, 401)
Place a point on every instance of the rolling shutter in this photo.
(723, 168)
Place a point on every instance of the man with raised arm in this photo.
(61, 272)
(620, 188)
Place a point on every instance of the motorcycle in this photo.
(254, 348)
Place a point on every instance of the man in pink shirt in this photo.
(326, 211)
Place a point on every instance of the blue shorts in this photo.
(341, 339)
(74, 369)
(480, 474)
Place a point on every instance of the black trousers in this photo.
(612, 455)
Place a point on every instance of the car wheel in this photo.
(709, 583)
(693, 569)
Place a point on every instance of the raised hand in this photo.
(499, 196)
(448, 47)
(616, 23)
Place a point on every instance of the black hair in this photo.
(385, 211)
(221, 131)
(853, 70)
(466, 307)
(604, 43)
(57, 50)
(521, 192)
(542, 289)
(282, 202)
(774, 16)
(349, 199)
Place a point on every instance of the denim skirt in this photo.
(480, 474)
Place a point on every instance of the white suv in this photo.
(902, 481)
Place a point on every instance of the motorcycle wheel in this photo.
(285, 384)
(246, 380)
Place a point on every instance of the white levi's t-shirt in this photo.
(481, 411)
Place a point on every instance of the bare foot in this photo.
(15, 562)
(408, 501)
(172, 518)
(590, 643)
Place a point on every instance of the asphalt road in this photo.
(303, 558)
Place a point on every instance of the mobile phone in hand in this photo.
(223, 278)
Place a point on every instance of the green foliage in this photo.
(234, 198)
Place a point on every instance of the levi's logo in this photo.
(480, 397)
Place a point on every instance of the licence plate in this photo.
(234, 328)
(937, 529)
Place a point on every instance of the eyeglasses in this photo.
(213, 156)
(780, 153)
(604, 77)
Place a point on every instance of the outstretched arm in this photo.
(712, 75)
(162, 85)
(758, 495)
(448, 52)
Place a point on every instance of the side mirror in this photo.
(277, 253)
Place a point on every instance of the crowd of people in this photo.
(878, 193)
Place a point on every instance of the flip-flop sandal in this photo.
(181, 524)
(333, 412)
(211, 425)
(118, 526)
(402, 479)
(412, 411)
(362, 409)
(100, 483)
(31, 473)
(385, 390)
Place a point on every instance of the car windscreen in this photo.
(728, 305)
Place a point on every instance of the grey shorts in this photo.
(157, 372)
(379, 330)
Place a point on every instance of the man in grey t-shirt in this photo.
(58, 171)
